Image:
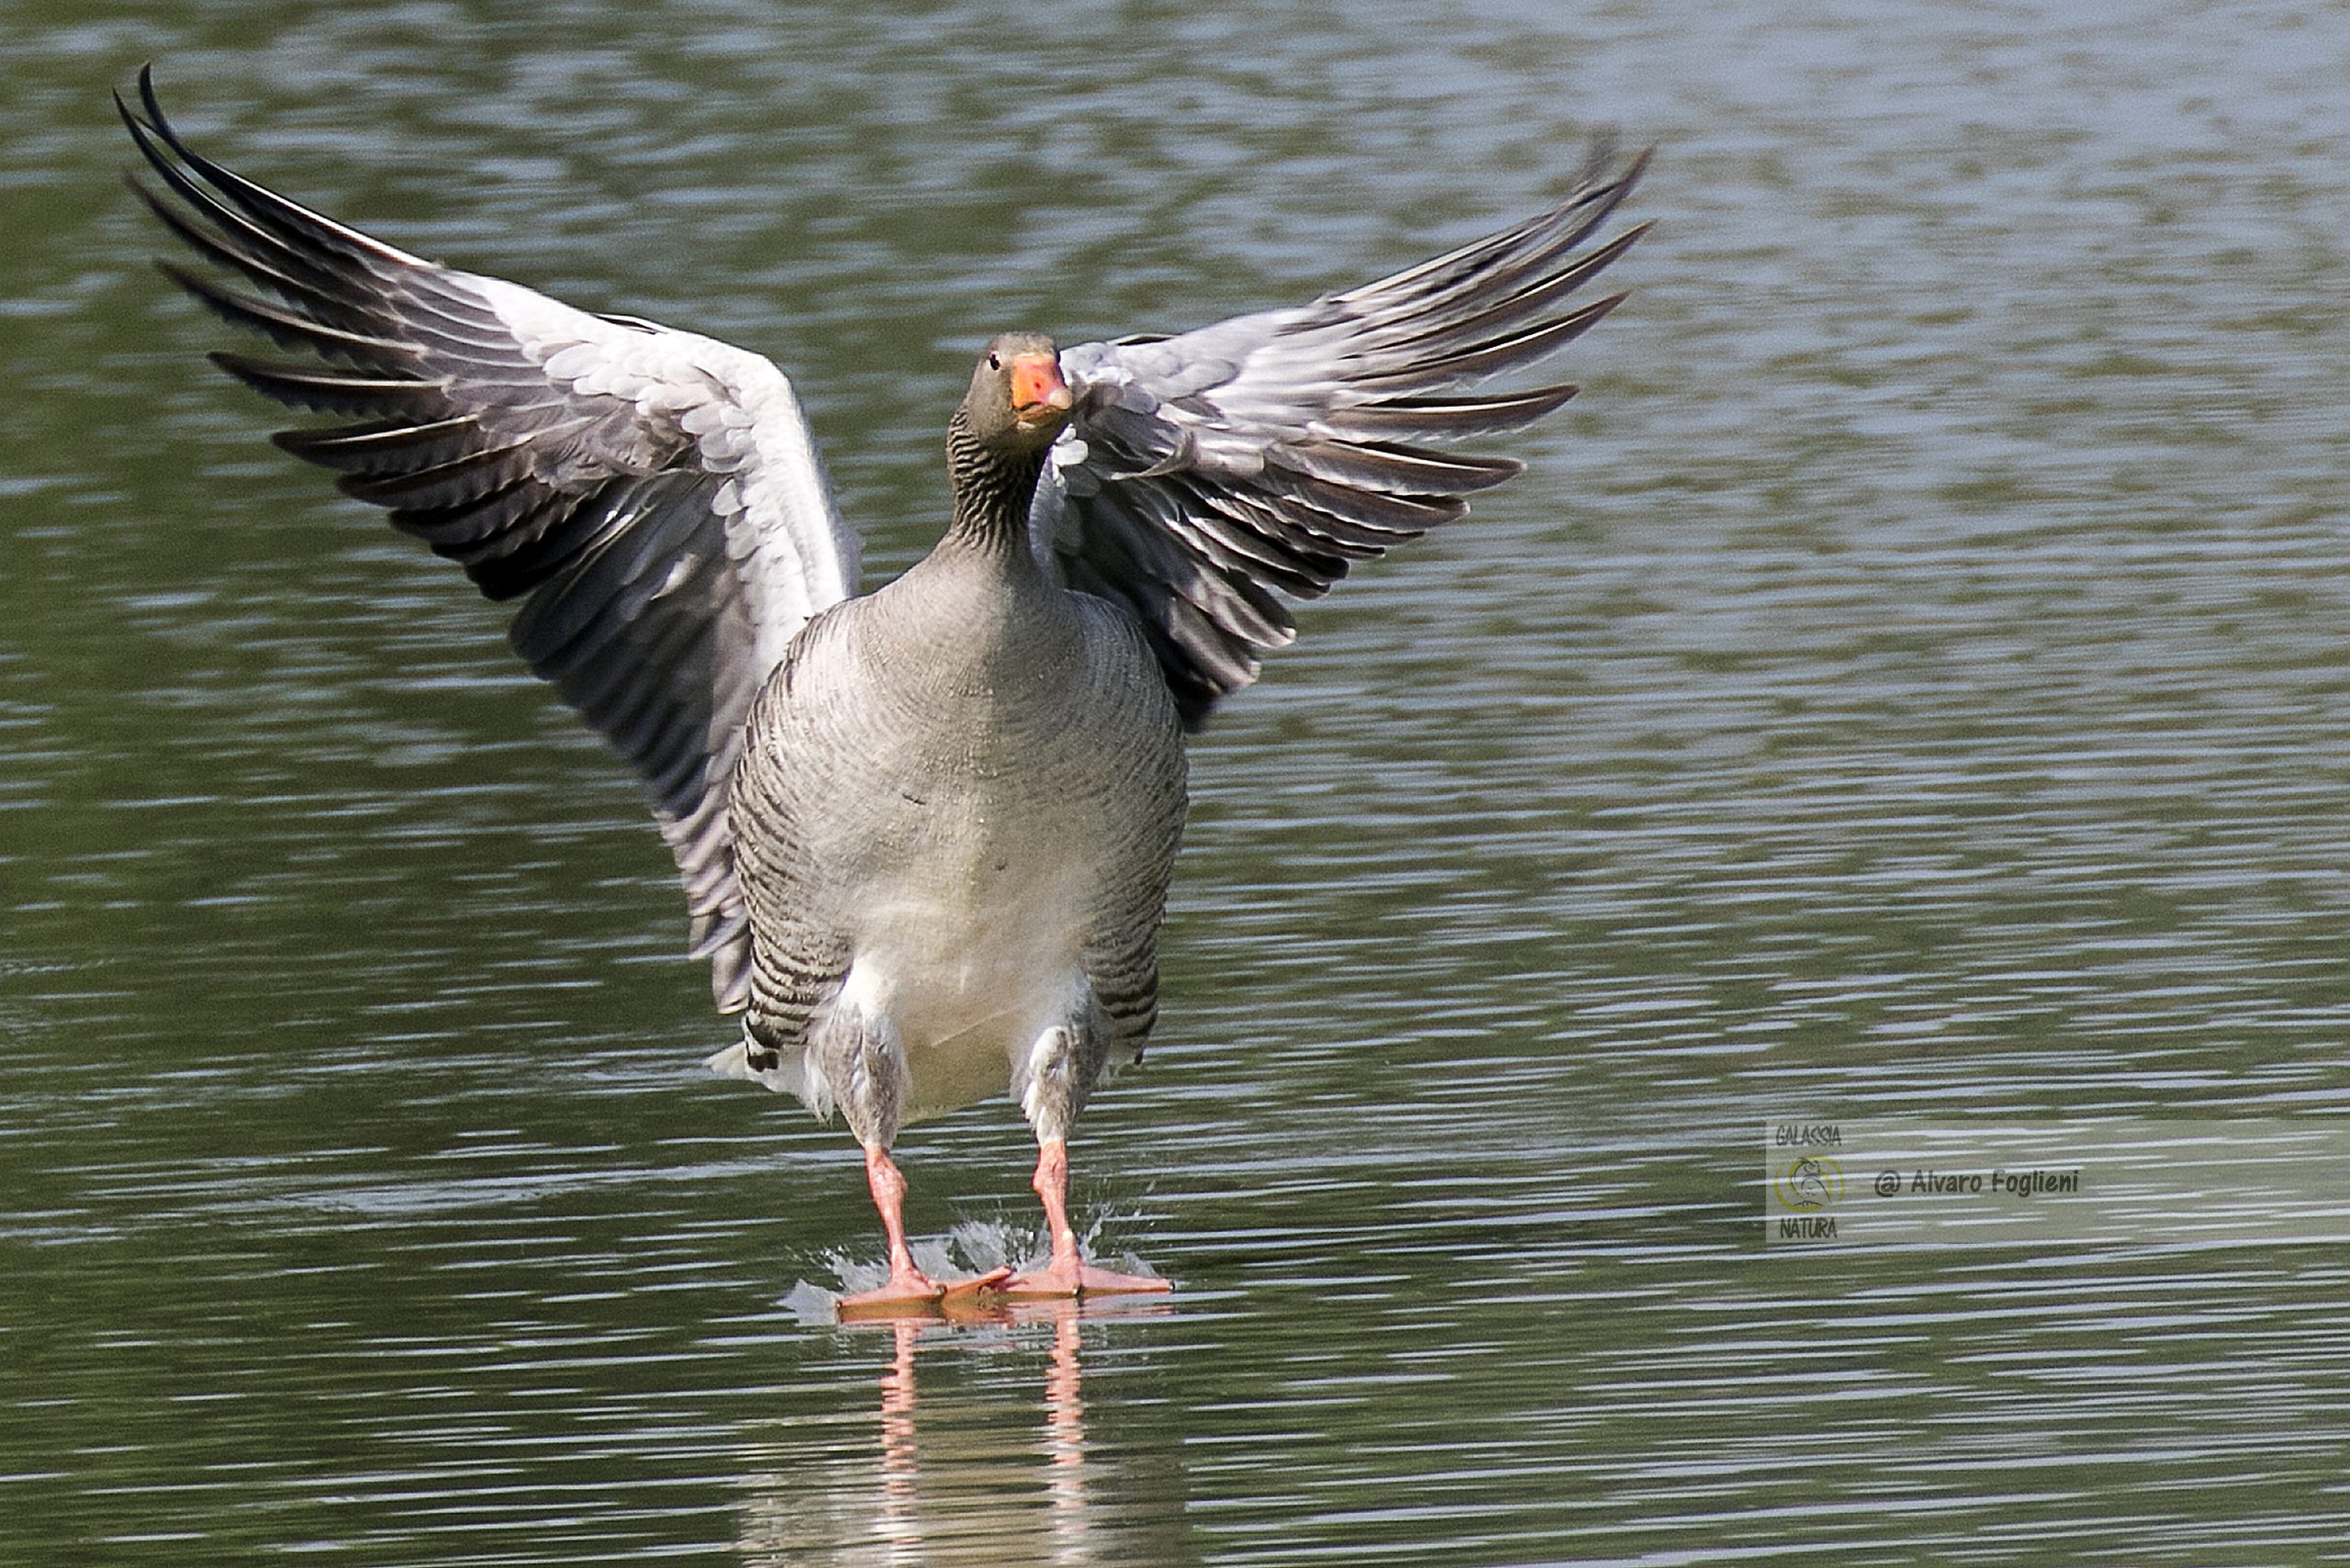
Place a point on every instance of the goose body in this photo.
(960, 803)
(924, 836)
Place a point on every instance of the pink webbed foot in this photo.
(908, 1290)
(964, 1292)
(1077, 1278)
(912, 1293)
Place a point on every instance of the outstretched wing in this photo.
(1200, 472)
(653, 498)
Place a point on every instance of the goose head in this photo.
(1018, 401)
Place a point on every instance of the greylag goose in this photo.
(925, 835)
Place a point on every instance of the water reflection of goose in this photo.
(925, 835)
(974, 1474)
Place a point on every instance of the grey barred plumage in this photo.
(925, 835)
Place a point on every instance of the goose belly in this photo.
(969, 964)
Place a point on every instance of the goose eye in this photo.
(993, 362)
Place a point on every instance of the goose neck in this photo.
(993, 491)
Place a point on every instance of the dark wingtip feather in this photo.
(285, 328)
(146, 97)
(322, 238)
(155, 125)
(1451, 419)
(144, 135)
(322, 390)
(1501, 354)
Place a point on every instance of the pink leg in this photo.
(1068, 1273)
(908, 1287)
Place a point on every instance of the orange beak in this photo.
(1037, 388)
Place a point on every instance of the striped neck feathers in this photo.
(993, 489)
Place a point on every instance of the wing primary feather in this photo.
(1501, 354)
(265, 205)
(393, 447)
(1565, 226)
(1446, 418)
(1394, 470)
(213, 208)
(444, 484)
(1513, 274)
(1473, 314)
(336, 392)
(269, 270)
(286, 329)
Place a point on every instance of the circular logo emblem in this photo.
(1813, 1181)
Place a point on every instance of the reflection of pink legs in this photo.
(901, 1468)
(1066, 1490)
(908, 1287)
(1066, 1532)
(1068, 1273)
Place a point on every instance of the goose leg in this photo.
(862, 1060)
(908, 1287)
(1068, 1273)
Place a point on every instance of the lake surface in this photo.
(1910, 682)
